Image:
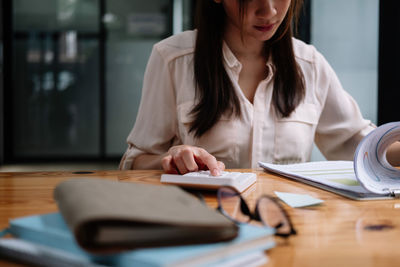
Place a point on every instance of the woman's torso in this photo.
(260, 134)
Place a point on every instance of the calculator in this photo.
(204, 180)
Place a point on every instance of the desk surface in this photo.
(340, 232)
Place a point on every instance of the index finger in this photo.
(209, 160)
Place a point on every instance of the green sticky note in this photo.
(298, 200)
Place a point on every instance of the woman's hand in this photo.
(183, 159)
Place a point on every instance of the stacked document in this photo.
(131, 224)
(48, 238)
(370, 176)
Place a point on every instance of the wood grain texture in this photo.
(340, 232)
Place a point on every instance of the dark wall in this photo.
(389, 58)
(1, 87)
(304, 24)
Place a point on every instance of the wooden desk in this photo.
(340, 232)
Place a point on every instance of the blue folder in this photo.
(51, 230)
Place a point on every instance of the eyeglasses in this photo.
(267, 211)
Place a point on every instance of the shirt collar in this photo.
(229, 57)
(232, 61)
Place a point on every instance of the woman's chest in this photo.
(258, 135)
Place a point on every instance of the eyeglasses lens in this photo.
(273, 215)
(230, 202)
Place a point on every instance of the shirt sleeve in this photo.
(155, 127)
(341, 125)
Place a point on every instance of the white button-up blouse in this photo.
(328, 115)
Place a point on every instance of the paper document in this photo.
(370, 176)
(338, 174)
(334, 176)
(370, 164)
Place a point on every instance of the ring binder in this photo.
(395, 193)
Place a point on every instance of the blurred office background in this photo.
(71, 70)
(76, 69)
(346, 32)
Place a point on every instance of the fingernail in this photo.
(216, 172)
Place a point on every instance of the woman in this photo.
(240, 90)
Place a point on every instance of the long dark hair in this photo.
(214, 89)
